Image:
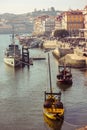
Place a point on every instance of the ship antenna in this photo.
(13, 41)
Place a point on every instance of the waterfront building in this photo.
(85, 17)
(84, 31)
(72, 21)
(38, 28)
(58, 24)
(44, 24)
(48, 25)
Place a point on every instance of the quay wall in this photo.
(66, 55)
(50, 44)
(59, 52)
(64, 51)
(73, 60)
(56, 53)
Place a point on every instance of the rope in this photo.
(70, 124)
(17, 59)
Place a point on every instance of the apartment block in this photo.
(44, 24)
(58, 24)
(72, 21)
(85, 21)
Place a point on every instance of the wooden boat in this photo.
(64, 75)
(53, 124)
(53, 107)
(12, 56)
(64, 87)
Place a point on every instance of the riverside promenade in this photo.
(74, 60)
(64, 53)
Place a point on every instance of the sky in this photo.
(25, 6)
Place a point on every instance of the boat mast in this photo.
(50, 73)
(13, 41)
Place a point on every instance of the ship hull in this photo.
(11, 61)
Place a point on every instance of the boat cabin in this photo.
(64, 75)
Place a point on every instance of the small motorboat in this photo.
(64, 75)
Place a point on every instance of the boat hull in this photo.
(65, 75)
(54, 114)
(62, 81)
(53, 124)
(11, 61)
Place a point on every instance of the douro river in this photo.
(22, 94)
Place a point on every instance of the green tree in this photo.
(61, 33)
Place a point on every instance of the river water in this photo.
(22, 94)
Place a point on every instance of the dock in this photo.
(39, 58)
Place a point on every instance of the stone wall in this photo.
(73, 61)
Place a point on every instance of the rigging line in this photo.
(47, 78)
(84, 110)
(22, 61)
(84, 68)
(71, 124)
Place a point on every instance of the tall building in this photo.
(44, 24)
(72, 21)
(85, 21)
(58, 24)
(38, 24)
(48, 25)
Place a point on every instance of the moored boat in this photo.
(53, 107)
(53, 124)
(12, 56)
(64, 75)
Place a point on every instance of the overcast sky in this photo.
(25, 6)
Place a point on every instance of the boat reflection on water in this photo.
(64, 87)
(54, 124)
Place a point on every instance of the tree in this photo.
(61, 33)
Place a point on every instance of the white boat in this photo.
(12, 55)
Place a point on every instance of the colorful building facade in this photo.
(44, 25)
(72, 21)
(85, 21)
